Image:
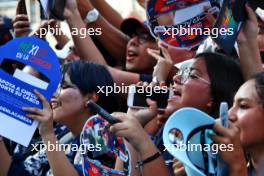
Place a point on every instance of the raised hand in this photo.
(164, 63)
(250, 29)
(21, 25)
(44, 116)
(131, 129)
(70, 8)
(234, 156)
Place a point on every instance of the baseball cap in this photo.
(130, 25)
(179, 135)
(184, 64)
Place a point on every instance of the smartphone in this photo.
(224, 114)
(161, 53)
(53, 9)
(138, 94)
(239, 11)
(99, 110)
(21, 7)
(56, 8)
(226, 21)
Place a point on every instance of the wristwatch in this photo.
(92, 16)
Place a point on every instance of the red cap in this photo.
(130, 25)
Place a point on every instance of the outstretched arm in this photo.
(130, 129)
(58, 161)
(111, 37)
(108, 12)
(250, 60)
(88, 51)
(84, 45)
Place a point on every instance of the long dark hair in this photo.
(225, 77)
(88, 77)
(259, 84)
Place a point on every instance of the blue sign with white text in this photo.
(27, 63)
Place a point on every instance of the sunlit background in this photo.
(127, 8)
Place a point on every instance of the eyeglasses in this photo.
(187, 74)
(143, 37)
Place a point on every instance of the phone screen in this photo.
(160, 95)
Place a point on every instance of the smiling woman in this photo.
(80, 84)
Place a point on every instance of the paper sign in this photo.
(160, 7)
(194, 10)
(180, 36)
(96, 132)
(180, 23)
(226, 21)
(16, 90)
(27, 78)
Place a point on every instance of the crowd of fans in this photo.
(126, 53)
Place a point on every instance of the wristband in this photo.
(147, 160)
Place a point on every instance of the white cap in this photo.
(260, 13)
(184, 64)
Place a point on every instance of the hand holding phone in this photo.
(99, 110)
(138, 94)
(56, 8)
